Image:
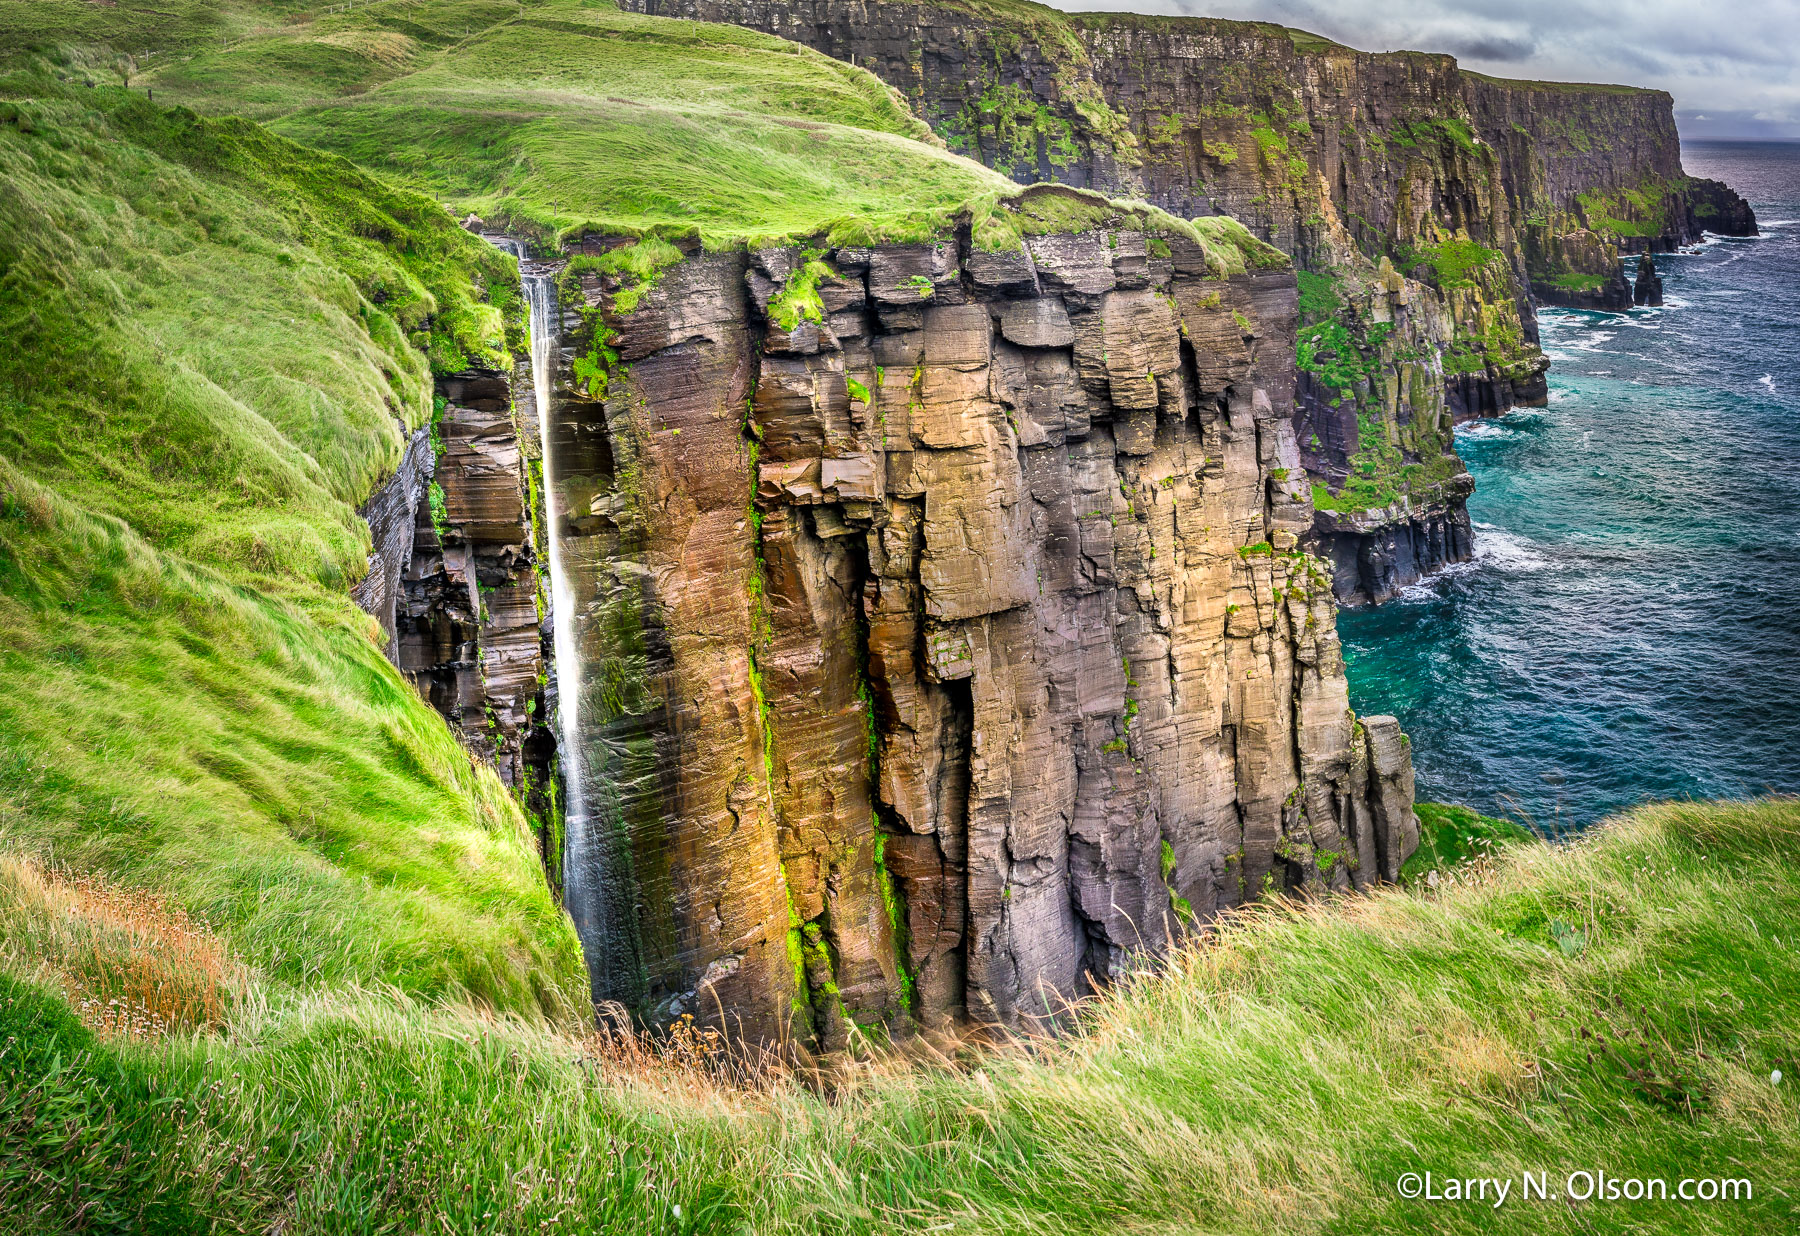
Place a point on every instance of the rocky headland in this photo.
(956, 620)
(947, 640)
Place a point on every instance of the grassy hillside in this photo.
(215, 342)
(555, 117)
(1619, 1004)
(562, 114)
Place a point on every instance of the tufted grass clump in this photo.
(132, 963)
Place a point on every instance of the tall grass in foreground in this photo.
(1618, 1004)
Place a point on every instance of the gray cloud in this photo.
(1492, 48)
(1736, 68)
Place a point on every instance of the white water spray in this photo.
(578, 893)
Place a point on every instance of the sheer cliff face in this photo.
(946, 652)
(1482, 195)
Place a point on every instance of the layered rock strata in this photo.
(454, 581)
(1481, 193)
(948, 644)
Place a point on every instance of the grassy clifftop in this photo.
(1616, 1005)
(568, 114)
(557, 117)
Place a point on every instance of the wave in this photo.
(1507, 551)
(1479, 431)
(1495, 550)
(1768, 380)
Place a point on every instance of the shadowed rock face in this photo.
(455, 587)
(947, 653)
(1647, 288)
(1341, 158)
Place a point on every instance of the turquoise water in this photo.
(1630, 627)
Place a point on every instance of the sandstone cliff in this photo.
(1481, 194)
(946, 636)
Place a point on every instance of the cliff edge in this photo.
(952, 647)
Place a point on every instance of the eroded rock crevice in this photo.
(453, 582)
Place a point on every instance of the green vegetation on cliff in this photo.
(216, 342)
(1450, 835)
(558, 117)
(1621, 1002)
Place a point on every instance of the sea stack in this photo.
(1648, 288)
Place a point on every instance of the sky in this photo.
(1734, 69)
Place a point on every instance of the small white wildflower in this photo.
(678, 1204)
(1775, 1078)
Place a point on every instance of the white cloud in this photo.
(1738, 68)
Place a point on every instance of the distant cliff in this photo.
(1431, 206)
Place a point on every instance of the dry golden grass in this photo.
(133, 964)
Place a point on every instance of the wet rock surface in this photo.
(1647, 289)
(454, 581)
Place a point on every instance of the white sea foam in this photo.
(1768, 380)
(1507, 551)
(1495, 550)
(1479, 430)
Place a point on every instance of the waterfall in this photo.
(579, 891)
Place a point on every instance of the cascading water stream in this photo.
(579, 893)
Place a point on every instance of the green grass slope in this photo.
(1279, 1077)
(557, 115)
(1450, 835)
(215, 342)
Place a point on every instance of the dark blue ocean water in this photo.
(1630, 628)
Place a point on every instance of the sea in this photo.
(1629, 629)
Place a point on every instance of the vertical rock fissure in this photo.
(882, 824)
